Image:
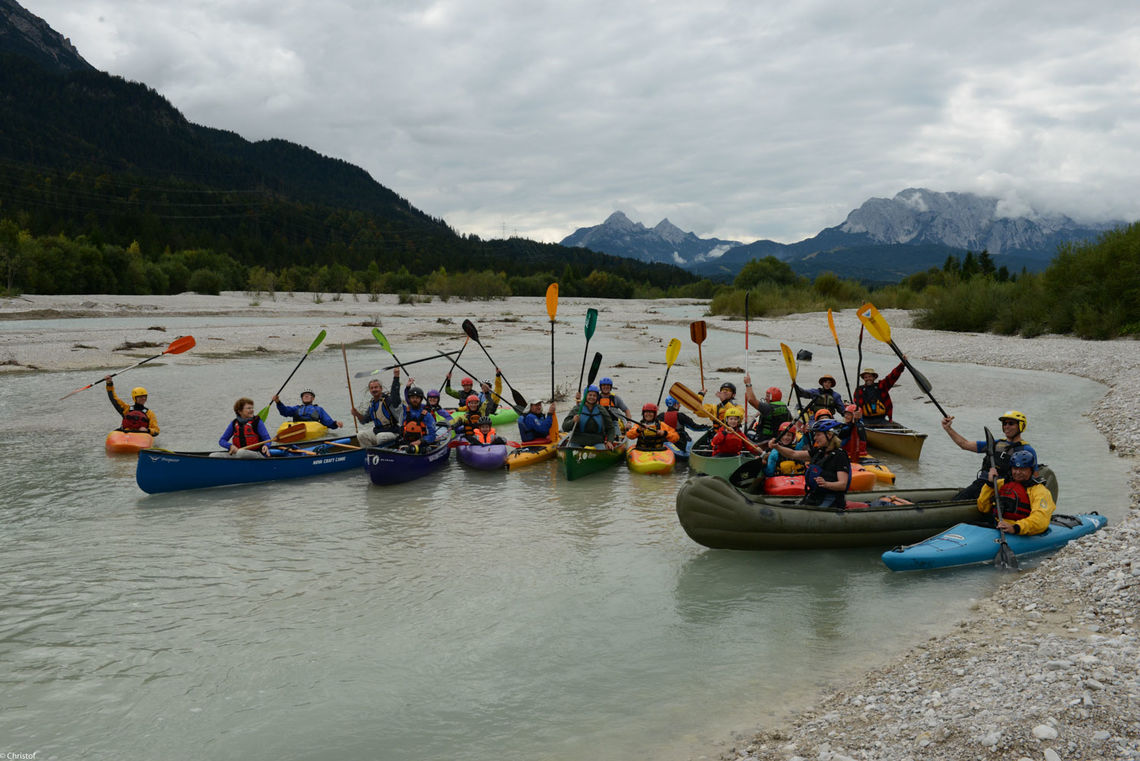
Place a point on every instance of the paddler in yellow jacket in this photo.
(136, 417)
(1026, 504)
(727, 398)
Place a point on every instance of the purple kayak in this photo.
(483, 456)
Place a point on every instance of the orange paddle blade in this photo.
(698, 331)
(289, 434)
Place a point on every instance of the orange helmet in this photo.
(775, 393)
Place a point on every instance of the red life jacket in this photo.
(670, 419)
(1015, 504)
(136, 419)
(245, 433)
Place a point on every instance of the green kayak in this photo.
(702, 461)
(578, 462)
(500, 416)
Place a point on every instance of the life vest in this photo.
(871, 400)
(470, 423)
(135, 419)
(1003, 452)
(720, 408)
(650, 436)
(485, 439)
(245, 433)
(414, 425)
(823, 465)
(823, 400)
(606, 400)
(307, 413)
(1015, 505)
(595, 418)
(670, 419)
(768, 425)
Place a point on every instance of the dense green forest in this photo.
(1091, 290)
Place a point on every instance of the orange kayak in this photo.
(128, 442)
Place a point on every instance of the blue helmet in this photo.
(593, 388)
(826, 425)
(606, 382)
(671, 402)
(1023, 458)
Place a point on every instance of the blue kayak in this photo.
(967, 544)
(161, 471)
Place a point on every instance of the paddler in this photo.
(726, 442)
(680, 421)
(770, 413)
(591, 424)
(852, 433)
(136, 417)
(534, 427)
(485, 392)
(823, 398)
(441, 415)
(385, 417)
(307, 411)
(467, 385)
(828, 471)
(874, 396)
(607, 397)
(1026, 504)
(418, 428)
(779, 465)
(726, 397)
(1013, 424)
(651, 433)
(244, 431)
(485, 434)
(467, 417)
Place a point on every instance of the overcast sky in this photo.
(739, 120)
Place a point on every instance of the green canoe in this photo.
(702, 461)
(578, 462)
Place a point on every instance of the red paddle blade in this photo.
(179, 345)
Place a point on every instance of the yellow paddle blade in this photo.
(875, 323)
(789, 360)
(552, 300)
(689, 398)
(831, 324)
(672, 350)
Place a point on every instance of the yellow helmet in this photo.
(733, 411)
(138, 391)
(1022, 421)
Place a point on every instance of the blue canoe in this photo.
(161, 471)
(387, 466)
(967, 544)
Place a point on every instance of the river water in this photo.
(470, 616)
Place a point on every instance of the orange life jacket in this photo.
(485, 439)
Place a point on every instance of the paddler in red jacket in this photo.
(136, 417)
(725, 442)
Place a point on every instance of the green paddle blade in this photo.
(591, 322)
(317, 342)
(380, 339)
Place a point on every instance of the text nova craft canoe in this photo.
(717, 514)
(161, 471)
(967, 544)
(388, 466)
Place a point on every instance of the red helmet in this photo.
(851, 408)
(466, 382)
(472, 398)
(785, 426)
(649, 407)
(775, 393)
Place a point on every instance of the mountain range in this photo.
(883, 240)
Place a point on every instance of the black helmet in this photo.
(415, 391)
(729, 385)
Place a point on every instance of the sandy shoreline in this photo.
(1047, 668)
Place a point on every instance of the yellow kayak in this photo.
(312, 430)
(659, 461)
(535, 453)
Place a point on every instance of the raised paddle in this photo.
(698, 331)
(367, 373)
(879, 328)
(746, 295)
(687, 397)
(177, 346)
(520, 402)
(671, 353)
(348, 382)
(790, 361)
(454, 362)
(594, 367)
(380, 339)
(591, 326)
(835, 335)
(473, 334)
(316, 342)
(1004, 559)
(552, 310)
